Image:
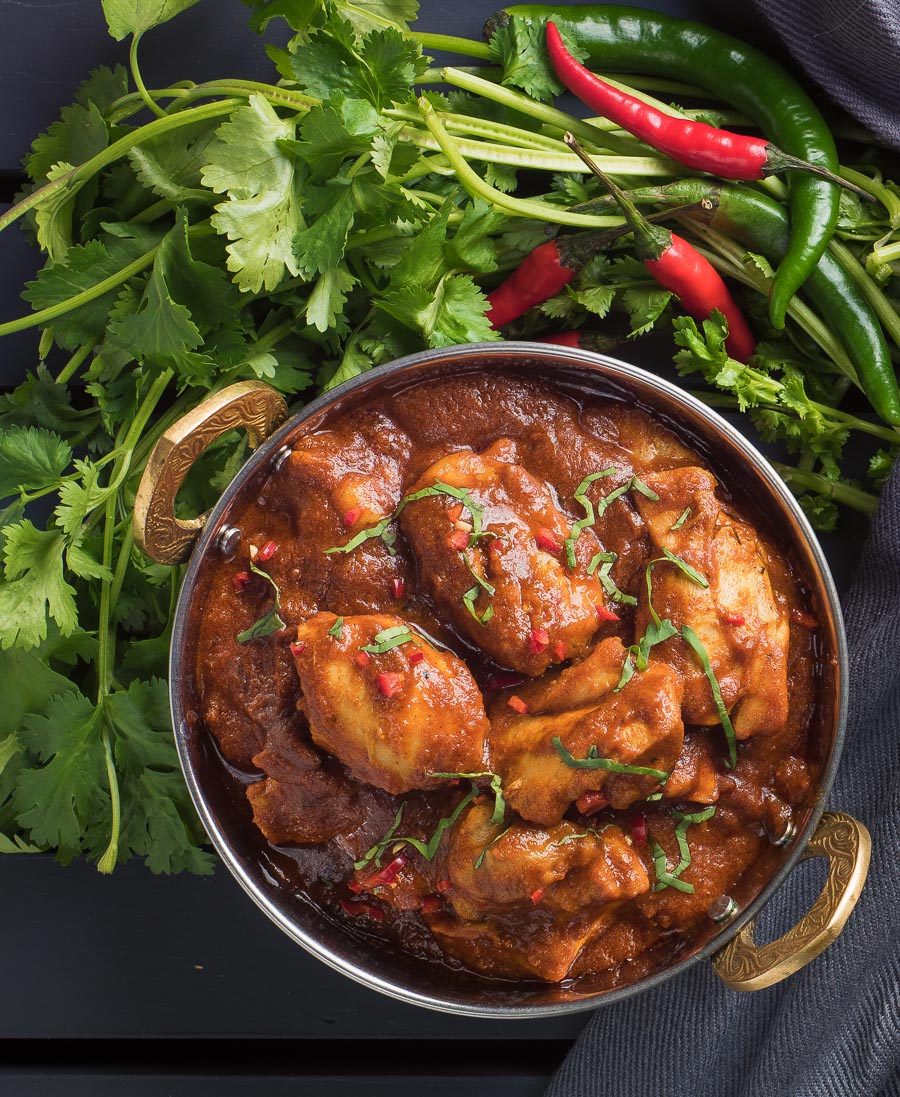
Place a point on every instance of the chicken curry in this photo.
(510, 678)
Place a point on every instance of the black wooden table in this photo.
(180, 986)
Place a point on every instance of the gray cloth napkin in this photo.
(833, 1029)
(851, 49)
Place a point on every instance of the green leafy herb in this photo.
(681, 519)
(594, 761)
(496, 789)
(337, 629)
(607, 559)
(390, 638)
(479, 860)
(664, 878)
(427, 849)
(693, 641)
(270, 621)
(589, 516)
(591, 832)
(670, 878)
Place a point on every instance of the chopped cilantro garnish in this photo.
(479, 860)
(589, 516)
(337, 629)
(269, 622)
(389, 638)
(693, 641)
(682, 518)
(670, 878)
(427, 849)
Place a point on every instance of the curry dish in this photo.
(510, 678)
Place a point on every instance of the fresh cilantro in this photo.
(519, 46)
(389, 638)
(30, 459)
(271, 620)
(594, 761)
(126, 17)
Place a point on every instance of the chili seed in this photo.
(241, 581)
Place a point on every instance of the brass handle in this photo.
(744, 965)
(250, 405)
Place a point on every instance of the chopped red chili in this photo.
(416, 657)
(431, 904)
(639, 828)
(362, 658)
(443, 885)
(517, 704)
(548, 541)
(502, 680)
(538, 641)
(458, 540)
(355, 886)
(352, 516)
(803, 619)
(357, 909)
(387, 875)
(606, 614)
(267, 551)
(389, 683)
(398, 588)
(537, 895)
(736, 619)
(589, 803)
(241, 581)
(297, 648)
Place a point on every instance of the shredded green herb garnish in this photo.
(693, 641)
(337, 629)
(269, 622)
(665, 877)
(389, 638)
(479, 861)
(654, 796)
(608, 583)
(589, 516)
(496, 788)
(682, 518)
(427, 849)
(594, 761)
(634, 484)
(389, 536)
(590, 832)
(471, 595)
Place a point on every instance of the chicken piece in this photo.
(639, 726)
(743, 627)
(697, 775)
(537, 897)
(564, 868)
(392, 717)
(509, 591)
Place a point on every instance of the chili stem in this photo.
(831, 489)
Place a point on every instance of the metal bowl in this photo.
(743, 472)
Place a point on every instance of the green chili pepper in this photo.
(622, 39)
(763, 226)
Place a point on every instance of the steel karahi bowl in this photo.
(728, 938)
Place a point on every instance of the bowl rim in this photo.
(618, 371)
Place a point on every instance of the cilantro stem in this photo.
(482, 127)
(72, 181)
(44, 316)
(138, 79)
(449, 43)
(881, 193)
(72, 366)
(881, 306)
(107, 862)
(474, 184)
(831, 489)
(844, 418)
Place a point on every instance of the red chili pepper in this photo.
(362, 658)
(398, 589)
(537, 895)
(352, 516)
(589, 803)
(582, 340)
(443, 885)
(241, 581)
(267, 551)
(431, 904)
(297, 649)
(389, 683)
(355, 886)
(694, 144)
(415, 657)
(548, 541)
(458, 540)
(538, 641)
(736, 619)
(607, 614)
(502, 680)
(559, 651)
(803, 619)
(387, 875)
(517, 705)
(639, 828)
(679, 267)
(357, 909)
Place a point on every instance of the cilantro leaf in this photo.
(520, 46)
(57, 800)
(334, 131)
(124, 17)
(34, 586)
(327, 300)
(171, 165)
(262, 213)
(79, 134)
(31, 458)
